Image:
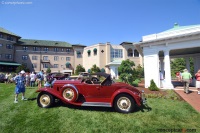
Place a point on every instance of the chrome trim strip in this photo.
(98, 104)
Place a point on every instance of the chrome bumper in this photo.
(144, 100)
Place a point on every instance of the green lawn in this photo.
(27, 117)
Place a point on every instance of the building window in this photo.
(89, 53)
(136, 53)
(24, 57)
(45, 65)
(46, 49)
(9, 46)
(67, 58)
(24, 64)
(116, 53)
(45, 58)
(35, 48)
(8, 56)
(10, 38)
(1, 45)
(95, 51)
(25, 48)
(130, 52)
(0, 56)
(62, 58)
(79, 54)
(62, 49)
(68, 50)
(1, 35)
(56, 58)
(55, 66)
(55, 49)
(34, 65)
(34, 57)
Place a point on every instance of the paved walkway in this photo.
(192, 98)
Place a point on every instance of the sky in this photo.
(90, 22)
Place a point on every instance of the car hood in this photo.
(125, 85)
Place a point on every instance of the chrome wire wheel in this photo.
(124, 103)
(45, 100)
(68, 94)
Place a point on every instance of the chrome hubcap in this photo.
(44, 100)
(124, 103)
(68, 94)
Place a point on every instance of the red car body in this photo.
(84, 92)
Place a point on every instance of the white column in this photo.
(187, 63)
(168, 83)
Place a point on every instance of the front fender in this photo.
(133, 94)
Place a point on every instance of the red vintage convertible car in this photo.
(103, 91)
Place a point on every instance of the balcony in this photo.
(45, 61)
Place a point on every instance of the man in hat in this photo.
(20, 86)
(186, 78)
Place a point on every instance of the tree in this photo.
(22, 67)
(48, 70)
(103, 70)
(79, 69)
(179, 64)
(95, 69)
(153, 86)
(126, 71)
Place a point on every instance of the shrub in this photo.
(153, 86)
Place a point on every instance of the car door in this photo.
(91, 92)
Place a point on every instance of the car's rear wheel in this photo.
(124, 103)
(45, 100)
(70, 94)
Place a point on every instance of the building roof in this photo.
(176, 31)
(34, 42)
(78, 45)
(8, 32)
(177, 27)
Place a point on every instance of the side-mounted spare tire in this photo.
(45, 100)
(124, 103)
(70, 94)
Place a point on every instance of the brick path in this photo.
(192, 98)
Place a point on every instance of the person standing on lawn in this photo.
(197, 76)
(186, 78)
(40, 78)
(20, 81)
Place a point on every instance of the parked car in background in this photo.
(58, 76)
(84, 92)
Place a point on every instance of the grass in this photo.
(27, 117)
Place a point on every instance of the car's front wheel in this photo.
(124, 103)
(45, 100)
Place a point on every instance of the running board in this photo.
(99, 104)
